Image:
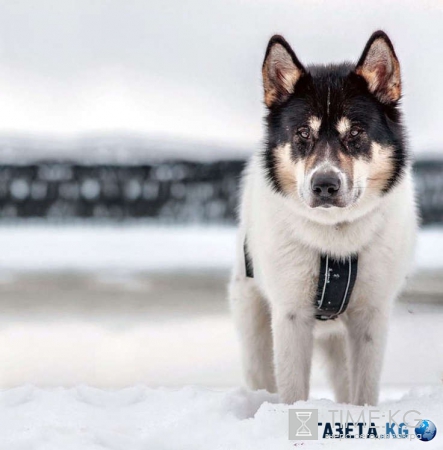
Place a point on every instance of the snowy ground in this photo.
(112, 331)
(124, 308)
(192, 418)
(143, 247)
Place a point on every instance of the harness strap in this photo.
(335, 283)
(249, 268)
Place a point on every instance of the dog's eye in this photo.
(303, 132)
(355, 131)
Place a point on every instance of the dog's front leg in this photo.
(367, 330)
(293, 336)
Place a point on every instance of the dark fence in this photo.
(428, 177)
(172, 191)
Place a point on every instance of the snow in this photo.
(87, 306)
(191, 418)
(120, 337)
(110, 352)
(114, 147)
(429, 253)
(141, 247)
(134, 247)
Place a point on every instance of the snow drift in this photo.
(191, 418)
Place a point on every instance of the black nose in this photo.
(325, 184)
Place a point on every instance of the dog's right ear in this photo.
(281, 70)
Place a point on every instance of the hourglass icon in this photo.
(303, 417)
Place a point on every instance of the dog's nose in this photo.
(325, 184)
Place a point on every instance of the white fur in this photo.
(274, 310)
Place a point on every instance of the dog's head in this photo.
(334, 132)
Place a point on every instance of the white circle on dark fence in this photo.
(133, 190)
(20, 189)
(90, 189)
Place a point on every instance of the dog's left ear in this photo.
(379, 66)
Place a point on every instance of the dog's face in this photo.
(333, 132)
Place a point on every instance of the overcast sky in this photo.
(191, 68)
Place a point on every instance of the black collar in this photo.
(335, 283)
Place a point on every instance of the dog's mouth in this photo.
(327, 203)
(342, 201)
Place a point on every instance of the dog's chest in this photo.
(287, 267)
(328, 289)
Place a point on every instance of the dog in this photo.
(330, 197)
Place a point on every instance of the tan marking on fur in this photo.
(279, 74)
(361, 168)
(315, 124)
(318, 157)
(343, 126)
(310, 162)
(381, 166)
(285, 168)
(346, 164)
(380, 54)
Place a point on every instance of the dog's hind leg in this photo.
(253, 321)
(334, 349)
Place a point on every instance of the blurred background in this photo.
(124, 127)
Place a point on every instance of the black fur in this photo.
(348, 96)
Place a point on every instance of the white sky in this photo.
(192, 68)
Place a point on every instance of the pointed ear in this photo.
(281, 70)
(379, 66)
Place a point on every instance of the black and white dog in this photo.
(327, 224)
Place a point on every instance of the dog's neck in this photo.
(329, 235)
